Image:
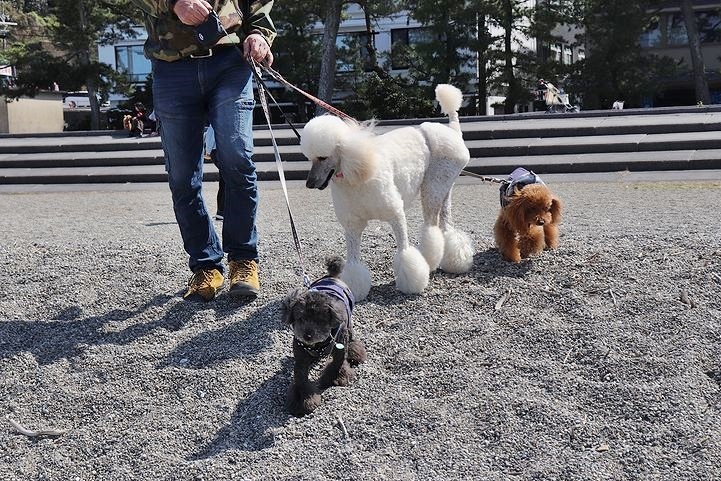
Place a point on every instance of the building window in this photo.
(352, 50)
(581, 54)
(131, 60)
(556, 50)
(709, 26)
(652, 36)
(406, 37)
(676, 30)
(567, 55)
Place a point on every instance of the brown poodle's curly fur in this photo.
(528, 223)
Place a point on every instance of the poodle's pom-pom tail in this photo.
(458, 253)
(449, 97)
(358, 278)
(335, 265)
(411, 271)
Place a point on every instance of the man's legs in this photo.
(180, 106)
(230, 108)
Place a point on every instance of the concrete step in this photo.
(621, 144)
(491, 166)
(505, 127)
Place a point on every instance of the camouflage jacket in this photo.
(169, 39)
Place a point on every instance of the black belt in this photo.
(211, 51)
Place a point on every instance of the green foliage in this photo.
(617, 69)
(296, 50)
(57, 42)
(389, 98)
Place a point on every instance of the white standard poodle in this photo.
(378, 176)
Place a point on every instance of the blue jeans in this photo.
(186, 94)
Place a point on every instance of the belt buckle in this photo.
(202, 55)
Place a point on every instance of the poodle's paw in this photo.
(302, 400)
(432, 245)
(342, 377)
(345, 376)
(358, 278)
(458, 253)
(512, 254)
(356, 353)
(411, 271)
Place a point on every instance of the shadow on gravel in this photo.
(67, 334)
(488, 265)
(240, 338)
(251, 426)
(388, 295)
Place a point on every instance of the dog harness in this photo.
(340, 290)
(518, 178)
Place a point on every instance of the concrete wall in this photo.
(41, 114)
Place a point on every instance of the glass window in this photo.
(352, 50)
(581, 54)
(131, 60)
(709, 26)
(556, 50)
(651, 37)
(567, 55)
(677, 30)
(406, 37)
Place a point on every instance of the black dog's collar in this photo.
(323, 348)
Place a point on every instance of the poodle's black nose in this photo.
(308, 336)
(541, 222)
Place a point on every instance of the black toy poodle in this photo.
(321, 320)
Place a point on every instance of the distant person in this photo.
(137, 121)
(211, 153)
(154, 123)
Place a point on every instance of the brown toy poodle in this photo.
(529, 217)
(321, 320)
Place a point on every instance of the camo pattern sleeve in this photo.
(170, 40)
(259, 20)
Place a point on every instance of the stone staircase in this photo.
(686, 138)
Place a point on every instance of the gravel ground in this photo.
(594, 368)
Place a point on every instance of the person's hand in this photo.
(257, 48)
(192, 12)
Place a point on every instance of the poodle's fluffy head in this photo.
(533, 205)
(339, 148)
(314, 314)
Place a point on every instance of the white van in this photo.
(79, 100)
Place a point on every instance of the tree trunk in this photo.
(326, 82)
(90, 80)
(370, 45)
(694, 44)
(510, 78)
(482, 59)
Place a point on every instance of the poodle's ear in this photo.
(556, 206)
(287, 304)
(358, 158)
(517, 210)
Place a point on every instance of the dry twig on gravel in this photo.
(33, 434)
(503, 299)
